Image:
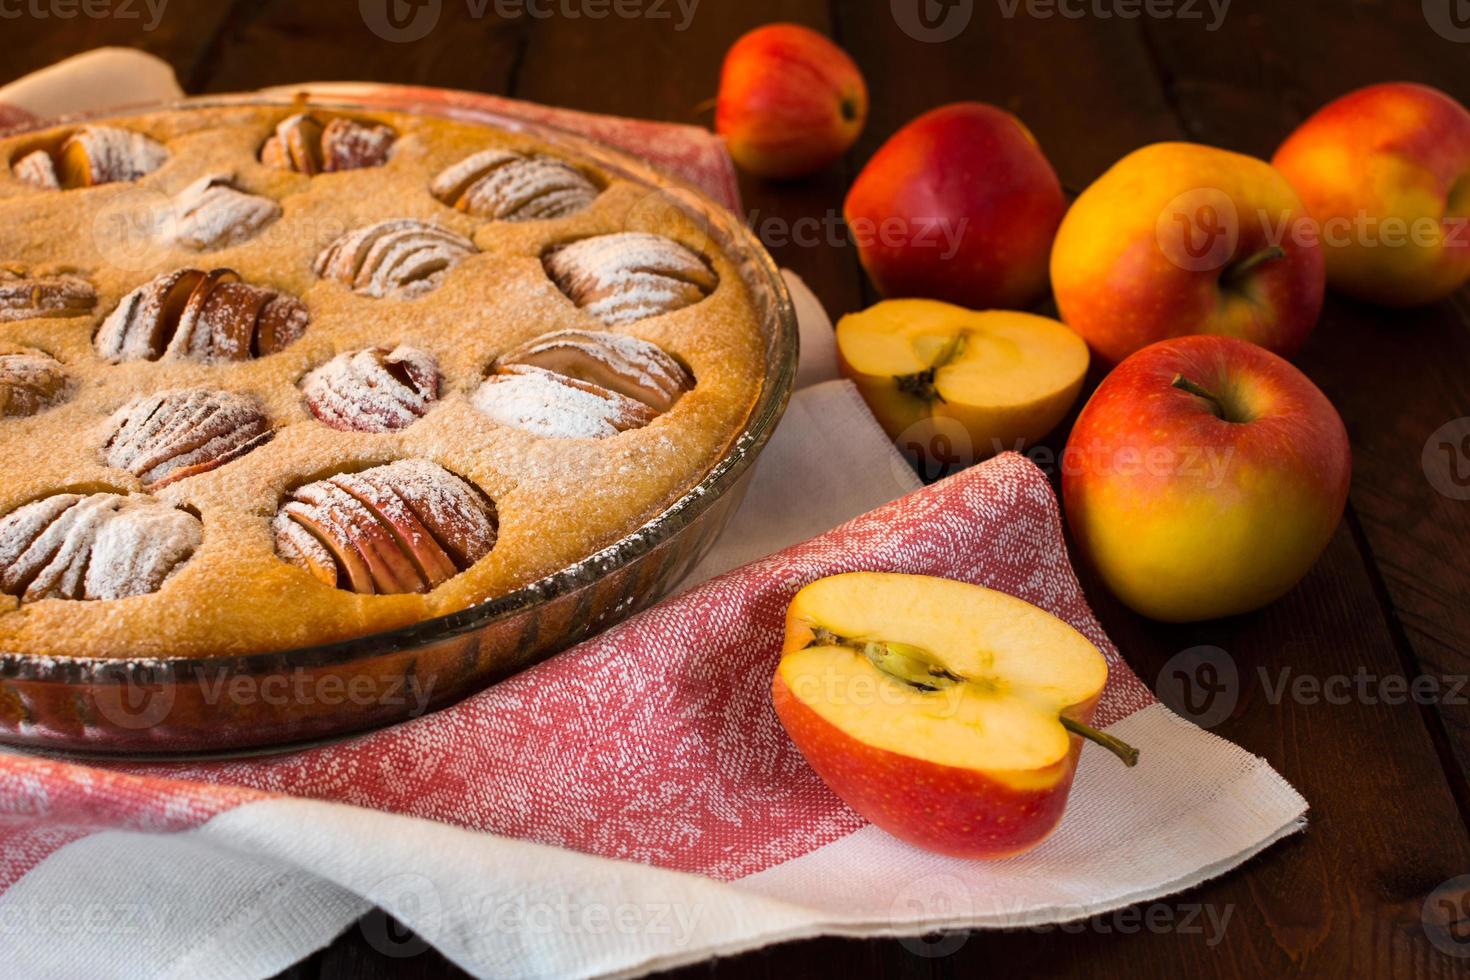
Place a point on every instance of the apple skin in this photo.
(946, 809)
(1124, 278)
(959, 205)
(790, 101)
(1188, 516)
(1395, 151)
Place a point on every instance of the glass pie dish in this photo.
(179, 705)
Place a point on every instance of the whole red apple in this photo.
(1204, 477)
(960, 205)
(790, 101)
(1178, 238)
(1385, 170)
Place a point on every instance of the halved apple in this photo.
(948, 714)
(931, 371)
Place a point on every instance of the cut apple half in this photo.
(1006, 378)
(949, 714)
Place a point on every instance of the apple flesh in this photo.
(948, 714)
(1385, 171)
(1204, 477)
(982, 382)
(790, 101)
(1178, 239)
(960, 205)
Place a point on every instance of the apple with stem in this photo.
(790, 101)
(1385, 170)
(948, 714)
(1177, 239)
(1204, 477)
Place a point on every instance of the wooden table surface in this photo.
(1386, 777)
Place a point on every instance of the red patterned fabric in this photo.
(654, 742)
(11, 117)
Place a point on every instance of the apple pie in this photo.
(278, 376)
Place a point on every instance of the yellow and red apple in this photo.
(1177, 239)
(959, 205)
(1204, 477)
(981, 382)
(1385, 171)
(790, 101)
(948, 714)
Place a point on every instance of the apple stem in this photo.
(1251, 262)
(1117, 746)
(1199, 391)
(703, 106)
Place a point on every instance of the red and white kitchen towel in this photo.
(633, 803)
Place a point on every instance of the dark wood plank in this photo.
(1396, 376)
(1091, 94)
(179, 31)
(378, 947)
(1345, 897)
(280, 42)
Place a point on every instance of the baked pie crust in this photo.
(301, 421)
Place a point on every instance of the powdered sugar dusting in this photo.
(459, 516)
(373, 390)
(401, 258)
(303, 144)
(406, 526)
(627, 276)
(94, 546)
(39, 170)
(509, 186)
(115, 154)
(171, 435)
(349, 145)
(204, 316)
(628, 365)
(547, 404)
(24, 294)
(211, 213)
(30, 383)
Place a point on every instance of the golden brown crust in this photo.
(557, 500)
